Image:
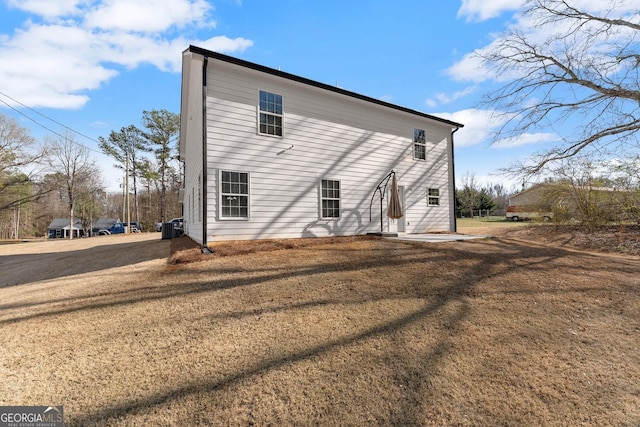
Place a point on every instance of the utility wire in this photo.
(57, 122)
(48, 118)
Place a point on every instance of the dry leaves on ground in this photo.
(343, 332)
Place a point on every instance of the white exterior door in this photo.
(397, 225)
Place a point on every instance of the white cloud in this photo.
(526, 139)
(50, 65)
(444, 98)
(487, 179)
(224, 44)
(53, 64)
(481, 10)
(472, 68)
(48, 8)
(479, 125)
(149, 16)
(131, 50)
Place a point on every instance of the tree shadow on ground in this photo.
(484, 261)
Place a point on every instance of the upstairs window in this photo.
(433, 197)
(234, 195)
(270, 116)
(330, 199)
(419, 144)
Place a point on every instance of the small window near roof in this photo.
(270, 115)
(419, 144)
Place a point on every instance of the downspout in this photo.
(453, 182)
(204, 154)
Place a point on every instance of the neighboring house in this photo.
(107, 226)
(268, 154)
(59, 228)
(577, 202)
(533, 203)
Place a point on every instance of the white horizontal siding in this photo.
(326, 136)
(191, 148)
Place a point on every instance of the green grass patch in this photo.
(489, 221)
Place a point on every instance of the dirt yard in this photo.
(520, 329)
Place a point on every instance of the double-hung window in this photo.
(234, 195)
(433, 197)
(270, 114)
(330, 199)
(419, 144)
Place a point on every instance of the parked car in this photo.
(135, 227)
(107, 226)
(177, 224)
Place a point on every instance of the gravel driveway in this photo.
(22, 263)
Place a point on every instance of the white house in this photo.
(268, 154)
(59, 228)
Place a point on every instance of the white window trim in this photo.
(320, 199)
(228, 218)
(259, 111)
(423, 144)
(429, 197)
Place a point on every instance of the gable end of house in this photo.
(293, 77)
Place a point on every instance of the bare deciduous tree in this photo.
(18, 151)
(90, 199)
(72, 164)
(499, 194)
(575, 62)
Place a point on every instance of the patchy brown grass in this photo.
(184, 250)
(614, 239)
(345, 332)
(620, 239)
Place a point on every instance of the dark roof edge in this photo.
(273, 71)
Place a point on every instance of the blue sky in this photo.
(95, 65)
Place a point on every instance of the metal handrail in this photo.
(379, 188)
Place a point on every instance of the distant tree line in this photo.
(472, 199)
(589, 189)
(56, 178)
